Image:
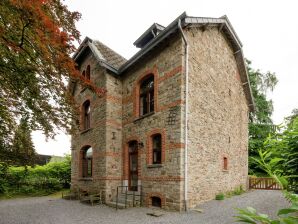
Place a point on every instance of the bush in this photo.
(220, 196)
(38, 180)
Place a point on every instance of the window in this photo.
(156, 202)
(87, 162)
(225, 163)
(84, 74)
(147, 96)
(86, 115)
(156, 149)
(88, 72)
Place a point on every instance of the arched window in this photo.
(84, 74)
(87, 161)
(156, 149)
(147, 95)
(88, 72)
(225, 163)
(86, 115)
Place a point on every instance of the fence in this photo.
(264, 183)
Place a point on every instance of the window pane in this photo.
(89, 153)
(147, 96)
(157, 142)
(143, 105)
(151, 101)
(156, 147)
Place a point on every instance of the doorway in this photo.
(133, 165)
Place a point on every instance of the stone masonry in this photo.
(217, 125)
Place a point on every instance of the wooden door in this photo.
(133, 166)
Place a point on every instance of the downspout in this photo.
(185, 117)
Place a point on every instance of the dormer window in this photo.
(149, 35)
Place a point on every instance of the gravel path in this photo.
(46, 210)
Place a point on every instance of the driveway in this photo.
(47, 210)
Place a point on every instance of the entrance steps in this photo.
(126, 200)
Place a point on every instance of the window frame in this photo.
(86, 115)
(225, 163)
(146, 94)
(86, 162)
(88, 73)
(158, 158)
(151, 148)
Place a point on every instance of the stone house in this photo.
(173, 122)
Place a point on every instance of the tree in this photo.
(23, 150)
(260, 125)
(36, 40)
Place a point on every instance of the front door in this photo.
(133, 165)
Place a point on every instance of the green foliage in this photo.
(260, 125)
(274, 167)
(220, 196)
(39, 180)
(22, 152)
(36, 41)
(280, 154)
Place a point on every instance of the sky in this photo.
(267, 29)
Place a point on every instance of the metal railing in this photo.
(134, 195)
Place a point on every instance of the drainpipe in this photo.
(185, 116)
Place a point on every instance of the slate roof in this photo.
(110, 56)
(118, 64)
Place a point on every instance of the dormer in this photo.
(149, 35)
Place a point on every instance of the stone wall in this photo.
(96, 135)
(218, 123)
(166, 65)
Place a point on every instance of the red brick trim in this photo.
(113, 99)
(162, 132)
(162, 178)
(167, 106)
(106, 154)
(174, 145)
(136, 91)
(127, 99)
(155, 194)
(100, 178)
(171, 73)
(111, 122)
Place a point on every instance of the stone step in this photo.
(113, 205)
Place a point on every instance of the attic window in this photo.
(88, 72)
(149, 35)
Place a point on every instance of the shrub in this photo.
(220, 196)
(38, 180)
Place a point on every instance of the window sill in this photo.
(154, 166)
(142, 117)
(86, 179)
(84, 131)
